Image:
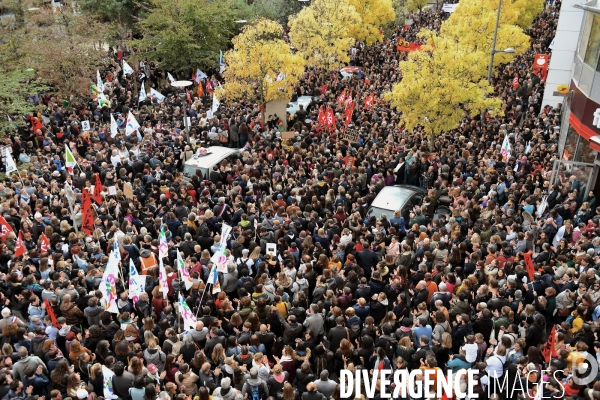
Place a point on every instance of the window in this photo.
(570, 144)
(592, 49)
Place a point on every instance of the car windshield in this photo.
(377, 212)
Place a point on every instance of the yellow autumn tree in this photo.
(439, 85)
(528, 9)
(415, 5)
(261, 67)
(322, 32)
(374, 14)
(472, 26)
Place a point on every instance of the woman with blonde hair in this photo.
(218, 356)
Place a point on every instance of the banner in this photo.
(404, 45)
(97, 194)
(108, 390)
(529, 264)
(143, 94)
(449, 8)
(10, 164)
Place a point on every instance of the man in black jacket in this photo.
(461, 328)
(292, 330)
(421, 354)
(337, 333)
(213, 340)
(367, 259)
(484, 324)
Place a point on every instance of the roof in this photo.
(213, 156)
(592, 6)
(394, 197)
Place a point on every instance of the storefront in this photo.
(579, 144)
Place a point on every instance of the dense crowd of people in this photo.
(347, 290)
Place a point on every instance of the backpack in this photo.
(303, 286)
(355, 331)
(38, 348)
(390, 348)
(176, 346)
(255, 392)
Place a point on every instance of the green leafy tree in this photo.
(185, 34)
(15, 87)
(64, 48)
(123, 12)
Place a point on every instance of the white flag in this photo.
(69, 194)
(108, 284)
(156, 94)
(185, 274)
(114, 128)
(9, 163)
(99, 83)
(132, 124)
(143, 95)
(127, 68)
(171, 79)
(162, 278)
(215, 104)
(137, 283)
(200, 75)
(189, 319)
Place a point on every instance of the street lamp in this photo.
(494, 50)
(182, 85)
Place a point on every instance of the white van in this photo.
(205, 163)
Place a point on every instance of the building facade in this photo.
(579, 144)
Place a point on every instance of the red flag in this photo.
(87, 223)
(188, 96)
(322, 117)
(98, 190)
(369, 101)
(6, 228)
(549, 349)
(86, 202)
(44, 243)
(540, 65)
(516, 81)
(405, 28)
(50, 312)
(209, 87)
(349, 98)
(330, 119)
(529, 264)
(324, 89)
(19, 248)
(348, 113)
(404, 45)
(200, 90)
(342, 98)
(35, 124)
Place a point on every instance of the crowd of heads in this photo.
(496, 261)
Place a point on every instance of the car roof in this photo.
(394, 197)
(213, 156)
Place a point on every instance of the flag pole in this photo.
(201, 297)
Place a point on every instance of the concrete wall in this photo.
(570, 24)
(277, 107)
